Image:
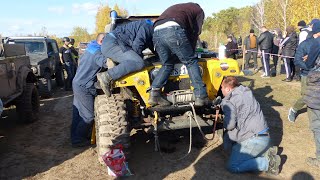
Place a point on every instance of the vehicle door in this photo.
(8, 70)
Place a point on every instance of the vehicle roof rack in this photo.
(26, 37)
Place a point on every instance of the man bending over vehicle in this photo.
(124, 45)
(176, 32)
(92, 61)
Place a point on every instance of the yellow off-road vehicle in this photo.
(128, 107)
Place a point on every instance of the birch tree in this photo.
(258, 15)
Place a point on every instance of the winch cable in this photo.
(190, 114)
(199, 127)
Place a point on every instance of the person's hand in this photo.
(305, 58)
(259, 53)
(245, 51)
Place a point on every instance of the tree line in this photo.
(270, 13)
(237, 21)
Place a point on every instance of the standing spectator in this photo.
(67, 61)
(304, 31)
(240, 41)
(92, 61)
(275, 50)
(176, 32)
(299, 61)
(75, 54)
(247, 135)
(250, 48)
(265, 42)
(312, 97)
(231, 48)
(234, 39)
(289, 45)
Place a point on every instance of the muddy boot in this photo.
(201, 101)
(156, 98)
(105, 82)
(313, 162)
(274, 163)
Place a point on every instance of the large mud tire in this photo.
(28, 104)
(45, 86)
(111, 124)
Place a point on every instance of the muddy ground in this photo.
(42, 150)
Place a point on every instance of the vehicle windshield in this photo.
(33, 47)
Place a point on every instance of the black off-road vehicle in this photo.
(44, 57)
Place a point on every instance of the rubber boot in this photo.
(105, 81)
(82, 134)
(156, 98)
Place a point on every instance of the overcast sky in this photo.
(60, 16)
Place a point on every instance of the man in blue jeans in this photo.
(124, 45)
(92, 61)
(176, 33)
(247, 134)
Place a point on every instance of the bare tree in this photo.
(282, 11)
(44, 31)
(258, 15)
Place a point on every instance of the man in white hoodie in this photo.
(304, 30)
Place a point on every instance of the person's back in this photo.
(312, 97)
(136, 35)
(290, 46)
(247, 132)
(124, 45)
(188, 15)
(90, 64)
(266, 40)
(84, 93)
(304, 34)
(250, 119)
(176, 32)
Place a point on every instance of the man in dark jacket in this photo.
(247, 133)
(231, 48)
(91, 62)
(176, 33)
(265, 42)
(312, 97)
(66, 60)
(288, 46)
(299, 61)
(250, 48)
(124, 45)
(275, 50)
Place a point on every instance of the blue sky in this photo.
(60, 16)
